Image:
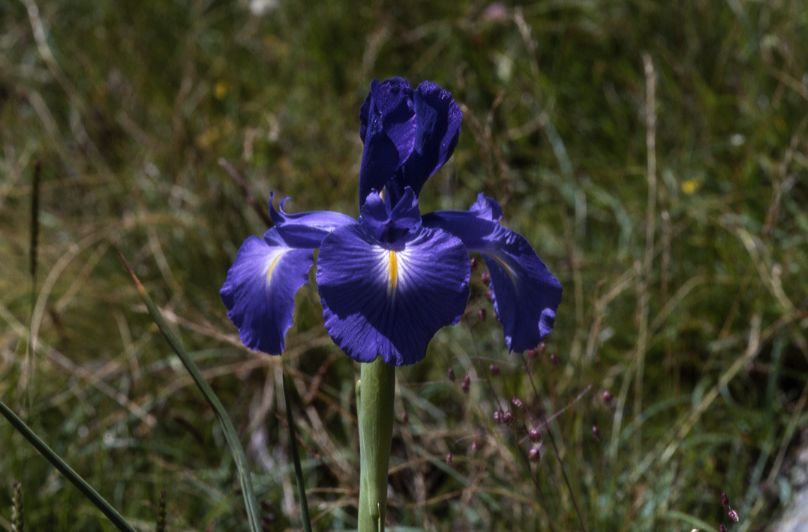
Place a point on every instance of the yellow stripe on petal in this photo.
(272, 264)
(507, 267)
(392, 272)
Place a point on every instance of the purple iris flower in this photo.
(391, 279)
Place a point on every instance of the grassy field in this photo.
(655, 153)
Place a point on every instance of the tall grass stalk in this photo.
(301, 485)
(229, 430)
(86, 489)
(17, 519)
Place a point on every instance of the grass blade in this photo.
(230, 434)
(301, 486)
(57, 462)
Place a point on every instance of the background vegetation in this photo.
(654, 152)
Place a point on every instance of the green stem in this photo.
(376, 390)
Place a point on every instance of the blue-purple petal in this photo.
(408, 135)
(305, 229)
(390, 223)
(378, 305)
(438, 128)
(259, 291)
(486, 207)
(526, 294)
(387, 125)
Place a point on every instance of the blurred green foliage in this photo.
(690, 308)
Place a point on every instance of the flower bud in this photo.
(733, 515)
(534, 453)
(724, 500)
(606, 397)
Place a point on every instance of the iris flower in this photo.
(389, 280)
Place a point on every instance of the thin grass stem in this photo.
(86, 489)
(301, 485)
(545, 422)
(230, 434)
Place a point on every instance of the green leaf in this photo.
(224, 419)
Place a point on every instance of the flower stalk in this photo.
(375, 395)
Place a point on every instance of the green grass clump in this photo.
(655, 153)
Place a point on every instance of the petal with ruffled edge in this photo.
(380, 302)
(259, 291)
(438, 128)
(408, 135)
(526, 294)
(305, 229)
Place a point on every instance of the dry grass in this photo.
(655, 155)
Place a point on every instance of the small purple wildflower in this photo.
(733, 515)
(606, 397)
(724, 500)
(534, 453)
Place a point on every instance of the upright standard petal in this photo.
(383, 302)
(305, 229)
(526, 294)
(438, 128)
(408, 135)
(387, 129)
(259, 291)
